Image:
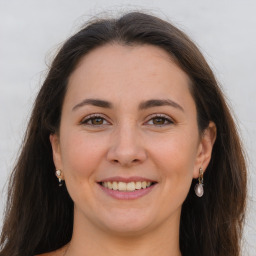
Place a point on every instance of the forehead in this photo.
(136, 72)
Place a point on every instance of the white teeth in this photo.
(138, 185)
(143, 184)
(130, 186)
(114, 185)
(123, 186)
(109, 185)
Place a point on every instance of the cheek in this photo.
(177, 152)
(175, 160)
(81, 154)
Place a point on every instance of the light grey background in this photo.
(31, 31)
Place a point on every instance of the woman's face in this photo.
(129, 144)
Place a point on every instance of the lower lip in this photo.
(123, 195)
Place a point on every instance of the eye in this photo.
(94, 120)
(159, 120)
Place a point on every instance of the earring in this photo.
(58, 174)
(199, 189)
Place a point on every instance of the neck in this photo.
(88, 241)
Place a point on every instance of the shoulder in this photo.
(58, 252)
(54, 253)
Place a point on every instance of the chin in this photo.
(127, 222)
(127, 230)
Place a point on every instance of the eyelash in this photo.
(167, 120)
(91, 118)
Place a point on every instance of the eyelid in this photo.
(150, 117)
(91, 116)
(164, 116)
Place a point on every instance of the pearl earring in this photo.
(58, 174)
(199, 189)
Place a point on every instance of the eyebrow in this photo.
(94, 102)
(143, 105)
(157, 102)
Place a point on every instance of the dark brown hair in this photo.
(39, 215)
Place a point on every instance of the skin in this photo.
(128, 141)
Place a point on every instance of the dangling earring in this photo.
(58, 174)
(199, 189)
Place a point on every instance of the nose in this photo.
(126, 148)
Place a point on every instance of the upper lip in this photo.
(126, 179)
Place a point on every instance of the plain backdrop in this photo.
(31, 32)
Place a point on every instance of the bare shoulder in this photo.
(58, 252)
(49, 254)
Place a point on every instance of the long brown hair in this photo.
(39, 215)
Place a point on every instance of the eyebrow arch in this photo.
(157, 103)
(142, 106)
(94, 102)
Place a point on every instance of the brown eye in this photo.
(97, 121)
(94, 121)
(159, 121)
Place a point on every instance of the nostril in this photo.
(134, 161)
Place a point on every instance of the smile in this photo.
(126, 186)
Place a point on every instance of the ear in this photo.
(56, 153)
(205, 149)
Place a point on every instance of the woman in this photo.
(131, 149)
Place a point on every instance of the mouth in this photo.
(130, 186)
(127, 188)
